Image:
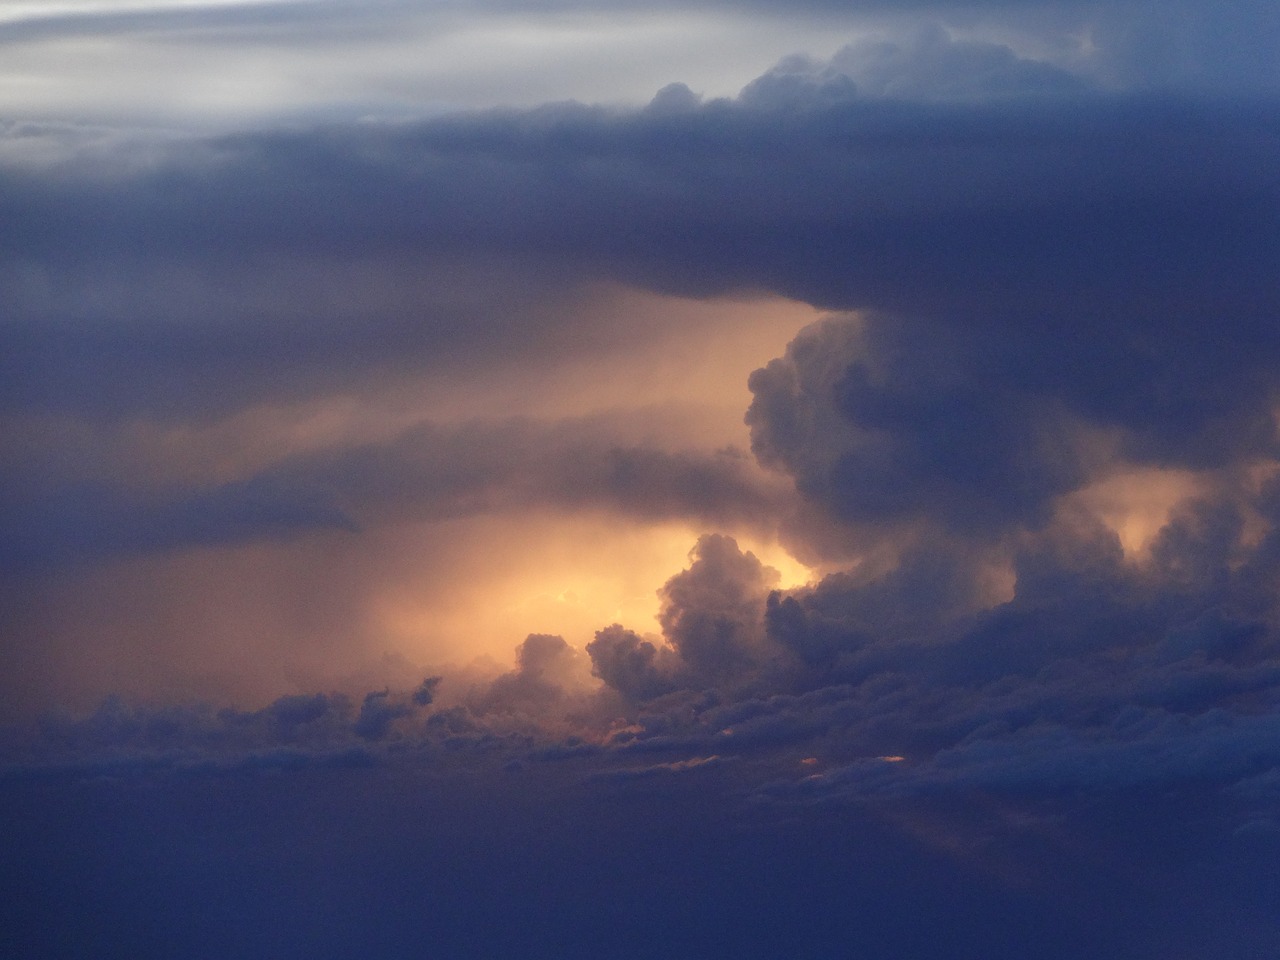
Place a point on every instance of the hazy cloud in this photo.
(429, 471)
(1003, 705)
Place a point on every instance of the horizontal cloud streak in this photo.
(429, 472)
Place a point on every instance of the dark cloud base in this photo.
(1063, 230)
(472, 857)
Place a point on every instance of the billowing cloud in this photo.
(928, 64)
(711, 623)
(635, 667)
(1032, 261)
(881, 420)
(548, 682)
(711, 612)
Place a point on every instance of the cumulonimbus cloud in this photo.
(1038, 290)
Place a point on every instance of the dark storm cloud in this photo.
(1065, 770)
(884, 418)
(547, 684)
(979, 424)
(1069, 232)
(439, 471)
(198, 334)
(1098, 674)
(289, 733)
(1189, 44)
(941, 192)
(1092, 678)
(710, 612)
(1041, 262)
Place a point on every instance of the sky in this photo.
(550, 478)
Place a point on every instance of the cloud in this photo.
(1098, 670)
(1111, 719)
(378, 713)
(892, 417)
(927, 64)
(292, 732)
(429, 471)
(86, 524)
(1188, 44)
(1049, 236)
(1158, 750)
(877, 420)
(549, 683)
(1032, 277)
(194, 334)
(636, 668)
(711, 612)
(950, 425)
(626, 774)
(798, 83)
(711, 618)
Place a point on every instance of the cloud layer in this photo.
(290, 376)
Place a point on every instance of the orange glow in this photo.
(998, 583)
(540, 574)
(1137, 503)
(694, 356)
(247, 622)
(1256, 525)
(683, 384)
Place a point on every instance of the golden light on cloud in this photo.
(684, 383)
(1137, 503)
(544, 574)
(694, 356)
(247, 620)
(249, 623)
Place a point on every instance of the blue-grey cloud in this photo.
(1036, 227)
(87, 523)
(635, 667)
(925, 64)
(430, 471)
